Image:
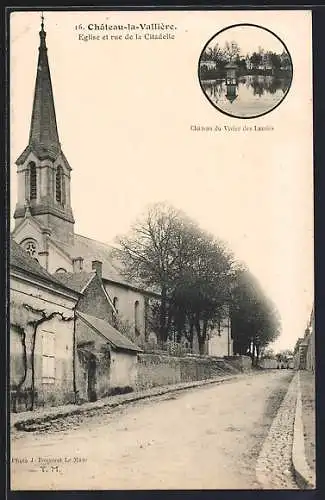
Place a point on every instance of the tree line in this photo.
(198, 279)
(231, 52)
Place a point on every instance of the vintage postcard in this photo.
(162, 330)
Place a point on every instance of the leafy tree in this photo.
(275, 61)
(255, 321)
(207, 54)
(256, 59)
(268, 353)
(219, 55)
(202, 287)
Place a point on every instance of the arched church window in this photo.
(30, 246)
(59, 185)
(32, 181)
(136, 317)
(61, 270)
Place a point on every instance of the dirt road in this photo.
(204, 438)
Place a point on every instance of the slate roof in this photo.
(76, 281)
(91, 250)
(43, 136)
(115, 338)
(20, 259)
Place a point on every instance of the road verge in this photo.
(304, 476)
(274, 464)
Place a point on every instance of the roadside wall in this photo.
(157, 369)
(242, 363)
(268, 363)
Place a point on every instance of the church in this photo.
(66, 286)
(44, 221)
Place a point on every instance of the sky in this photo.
(126, 111)
(249, 39)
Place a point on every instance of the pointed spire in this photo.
(43, 130)
(42, 33)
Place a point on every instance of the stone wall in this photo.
(268, 363)
(242, 363)
(158, 370)
(94, 301)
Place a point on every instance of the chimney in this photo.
(97, 265)
(77, 264)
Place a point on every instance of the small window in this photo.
(30, 246)
(32, 181)
(61, 270)
(136, 318)
(59, 185)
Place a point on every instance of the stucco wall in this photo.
(123, 369)
(17, 365)
(60, 390)
(218, 344)
(114, 369)
(126, 304)
(57, 260)
(97, 345)
(32, 302)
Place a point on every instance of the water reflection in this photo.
(252, 96)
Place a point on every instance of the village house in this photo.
(63, 348)
(41, 335)
(304, 352)
(98, 318)
(208, 65)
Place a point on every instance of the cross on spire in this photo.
(43, 130)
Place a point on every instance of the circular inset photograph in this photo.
(245, 71)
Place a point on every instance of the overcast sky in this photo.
(249, 39)
(125, 110)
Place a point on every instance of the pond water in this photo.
(252, 96)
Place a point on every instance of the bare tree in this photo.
(148, 254)
(167, 250)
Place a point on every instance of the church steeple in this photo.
(43, 130)
(43, 170)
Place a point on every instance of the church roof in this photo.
(20, 259)
(43, 136)
(115, 338)
(76, 281)
(112, 267)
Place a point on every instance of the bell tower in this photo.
(43, 171)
